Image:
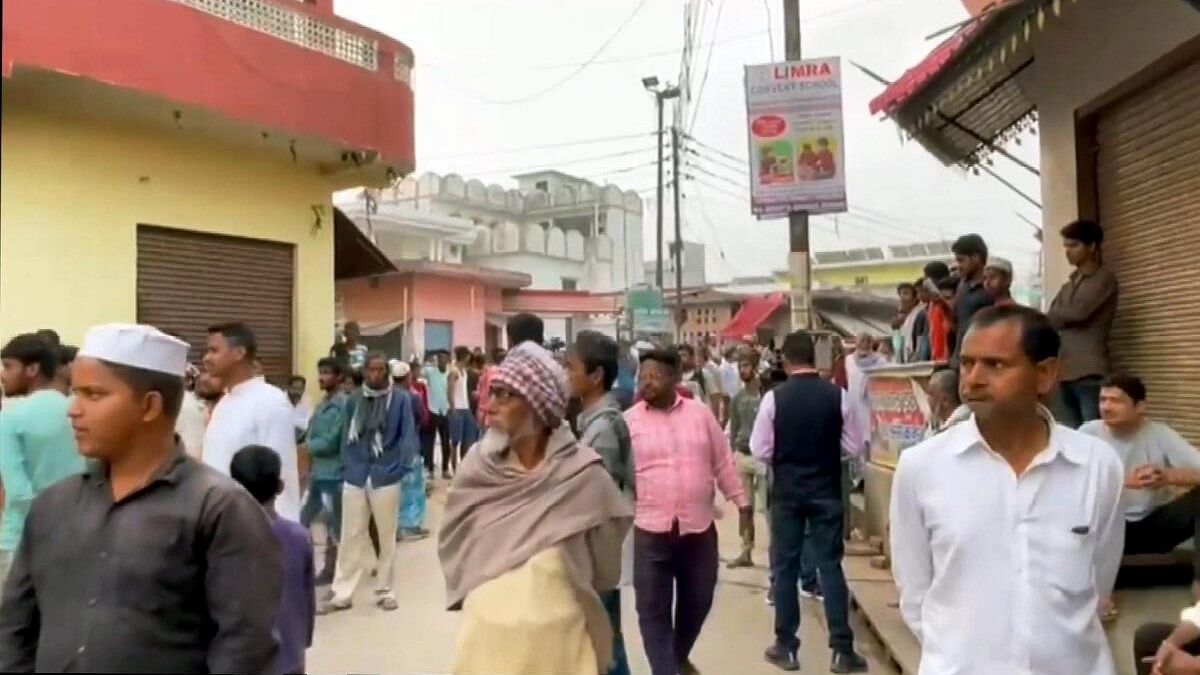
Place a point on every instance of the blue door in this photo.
(439, 335)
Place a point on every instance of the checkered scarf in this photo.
(532, 372)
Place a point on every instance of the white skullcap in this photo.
(399, 368)
(144, 347)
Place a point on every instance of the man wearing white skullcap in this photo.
(147, 561)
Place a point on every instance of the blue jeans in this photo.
(1078, 401)
(412, 497)
(816, 523)
(463, 430)
(324, 496)
(612, 603)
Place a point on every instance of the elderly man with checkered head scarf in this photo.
(532, 533)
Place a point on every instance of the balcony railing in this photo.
(298, 28)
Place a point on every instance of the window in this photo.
(570, 284)
(542, 185)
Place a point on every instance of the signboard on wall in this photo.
(647, 315)
(899, 411)
(794, 127)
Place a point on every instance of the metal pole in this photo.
(798, 262)
(658, 259)
(678, 234)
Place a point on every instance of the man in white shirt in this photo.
(1155, 459)
(301, 410)
(252, 412)
(1007, 528)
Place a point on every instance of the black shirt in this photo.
(182, 576)
(971, 298)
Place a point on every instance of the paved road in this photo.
(420, 637)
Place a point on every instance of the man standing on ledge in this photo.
(802, 428)
(148, 562)
(679, 452)
(1006, 529)
(251, 413)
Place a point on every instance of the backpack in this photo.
(625, 471)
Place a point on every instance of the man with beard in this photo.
(381, 444)
(325, 436)
(1011, 512)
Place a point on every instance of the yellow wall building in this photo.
(73, 192)
(187, 192)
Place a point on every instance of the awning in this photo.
(355, 255)
(753, 313)
(381, 329)
(965, 98)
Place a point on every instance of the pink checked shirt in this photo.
(678, 454)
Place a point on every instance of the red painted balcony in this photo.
(287, 73)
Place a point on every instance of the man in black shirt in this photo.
(148, 562)
(970, 255)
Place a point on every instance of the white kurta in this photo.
(256, 413)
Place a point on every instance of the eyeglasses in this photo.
(501, 394)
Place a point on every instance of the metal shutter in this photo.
(1148, 182)
(188, 281)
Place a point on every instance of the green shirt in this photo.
(741, 418)
(37, 449)
(326, 434)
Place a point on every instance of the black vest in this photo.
(807, 459)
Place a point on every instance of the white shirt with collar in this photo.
(1000, 574)
(256, 413)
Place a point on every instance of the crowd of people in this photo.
(157, 515)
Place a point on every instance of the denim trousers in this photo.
(324, 497)
(814, 523)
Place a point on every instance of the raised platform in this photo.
(874, 596)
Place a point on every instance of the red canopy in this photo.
(915, 78)
(754, 311)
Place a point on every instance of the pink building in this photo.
(426, 306)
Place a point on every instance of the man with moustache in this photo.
(147, 562)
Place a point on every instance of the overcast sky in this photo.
(496, 76)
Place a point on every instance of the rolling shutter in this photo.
(188, 281)
(1148, 181)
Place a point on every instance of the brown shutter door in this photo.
(1148, 179)
(188, 281)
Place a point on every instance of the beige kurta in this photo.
(530, 621)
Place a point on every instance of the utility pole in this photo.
(798, 262)
(678, 235)
(658, 240)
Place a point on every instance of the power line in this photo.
(548, 146)
(707, 65)
(570, 76)
(582, 160)
(741, 199)
(770, 29)
(719, 151)
(717, 162)
(734, 183)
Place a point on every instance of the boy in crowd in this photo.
(592, 370)
(257, 468)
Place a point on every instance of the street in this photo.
(420, 636)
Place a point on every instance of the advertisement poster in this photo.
(898, 417)
(797, 149)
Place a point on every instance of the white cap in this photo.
(399, 368)
(144, 347)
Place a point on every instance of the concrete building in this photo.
(567, 233)
(172, 161)
(878, 269)
(694, 266)
(434, 300)
(1120, 144)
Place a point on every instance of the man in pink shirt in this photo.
(679, 453)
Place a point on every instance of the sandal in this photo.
(387, 604)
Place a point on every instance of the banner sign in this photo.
(797, 149)
(899, 412)
(646, 312)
